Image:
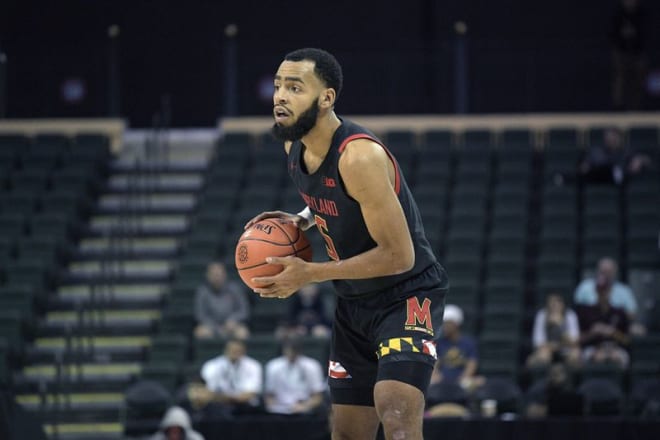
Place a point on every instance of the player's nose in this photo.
(279, 97)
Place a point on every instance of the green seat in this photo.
(643, 252)
(20, 299)
(65, 202)
(511, 192)
(498, 355)
(34, 273)
(193, 267)
(398, 139)
(5, 370)
(205, 349)
(464, 294)
(478, 138)
(12, 330)
(7, 249)
(167, 374)
(472, 173)
(463, 246)
(19, 202)
(438, 139)
(645, 349)
(90, 147)
(516, 137)
(596, 135)
(266, 314)
(45, 248)
(263, 347)
(643, 135)
(176, 321)
(556, 275)
(603, 371)
(562, 136)
(56, 225)
(32, 181)
(507, 294)
(241, 140)
(80, 179)
(168, 348)
(434, 172)
(316, 348)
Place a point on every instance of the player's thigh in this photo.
(354, 422)
(400, 406)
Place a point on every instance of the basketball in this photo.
(269, 238)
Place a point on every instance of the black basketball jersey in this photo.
(339, 218)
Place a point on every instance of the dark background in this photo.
(398, 56)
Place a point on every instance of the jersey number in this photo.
(329, 244)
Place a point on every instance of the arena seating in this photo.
(507, 233)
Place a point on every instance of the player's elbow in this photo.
(403, 261)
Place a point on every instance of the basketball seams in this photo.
(300, 251)
(252, 248)
(264, 241)
(251, 267)
(281, 228)
(292, 242)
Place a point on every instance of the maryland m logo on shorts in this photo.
(406, 345)
(418, 317)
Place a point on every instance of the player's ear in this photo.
(327, 98)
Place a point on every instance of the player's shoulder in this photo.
(362, 151)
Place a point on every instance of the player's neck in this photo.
(319, 138)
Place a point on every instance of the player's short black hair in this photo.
(326, 66)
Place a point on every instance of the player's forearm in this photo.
(376, 262)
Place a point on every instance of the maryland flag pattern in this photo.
(406, 345)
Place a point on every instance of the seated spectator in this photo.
(295, 383)
(457, 353)
(556, 333)
(604, 331)
(612, 161)
(221, 306)
(307, 314)
(620, 294)
(232, 384)
(555, 395)
(176, 426)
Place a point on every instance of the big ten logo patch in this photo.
(418, 316)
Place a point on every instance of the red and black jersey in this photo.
(339, 218)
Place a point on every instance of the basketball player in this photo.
(390, 288)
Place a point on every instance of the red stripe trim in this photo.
(397, 173)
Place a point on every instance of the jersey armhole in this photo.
(397, 172)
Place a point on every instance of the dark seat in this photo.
(504, 391)
(601, 396)
(145, 403)
(446, 392)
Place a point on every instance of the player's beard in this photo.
(305, 122)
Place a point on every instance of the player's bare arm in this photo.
(368, 176)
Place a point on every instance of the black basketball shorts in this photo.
(388, 336)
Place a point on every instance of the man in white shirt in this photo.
(295, 383)
(232, 382)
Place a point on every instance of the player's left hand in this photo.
(285, 283)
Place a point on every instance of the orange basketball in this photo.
(269, 238)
